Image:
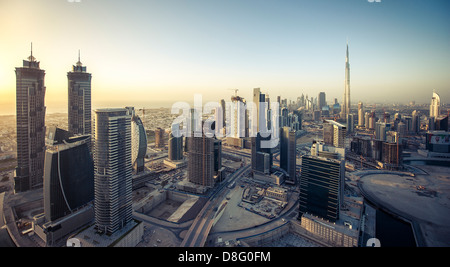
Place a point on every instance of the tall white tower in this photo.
(435, 105)
(346, 105)
(360, 114)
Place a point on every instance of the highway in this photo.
(199, 230)
(237, 152)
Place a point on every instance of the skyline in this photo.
(161, 49)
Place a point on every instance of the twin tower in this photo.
(30, 110)
(68, 162)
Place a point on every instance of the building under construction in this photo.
(159, 138)
(387, 155)
(201, 160)
(391, 155)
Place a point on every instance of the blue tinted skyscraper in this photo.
(175, 143)
(68, 174)
(288, 151)
(321, 187)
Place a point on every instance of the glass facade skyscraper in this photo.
(68, 175)
(262, 158)
(112, 169)
(321, 187)
(288, 151)
(79, 112)
(138, 142)
(175, 143)
(30, 112)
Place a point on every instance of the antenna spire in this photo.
(31, 58)
(79, 64)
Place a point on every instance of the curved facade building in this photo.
(68, 177)
(435, 105)
(138, 142)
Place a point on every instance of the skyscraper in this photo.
(441, 123)
(381, 129)
(321, 187)
(193, 125)
(175, 143)
(371, 120)
(435, 105)
(79, 113)
(328, 133)
(201, 160)
(346, 103)
(138, 141)
(217, 155)
(350, 123)
(391, 155)
(321, 100)
(112, 169)
(68, 174)
(68, 187)
(30, 111)
(288, 153)
(159, 137)
(259, 118)
(238, 117)
(415, 121)
(366, 120)
(334, 133)
(256, 100)
(262, 158)
(224, 117)
(360, 114)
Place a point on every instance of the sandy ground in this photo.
(424, 197)
(155, 236)
(235, 217)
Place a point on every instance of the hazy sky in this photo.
(146, 52)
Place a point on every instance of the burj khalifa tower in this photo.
(345, 110)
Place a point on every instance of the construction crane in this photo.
(236, 97)
(362, 158)
(153, 163)
(235, 91)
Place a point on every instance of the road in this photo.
(257, 229)
(199, 230)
